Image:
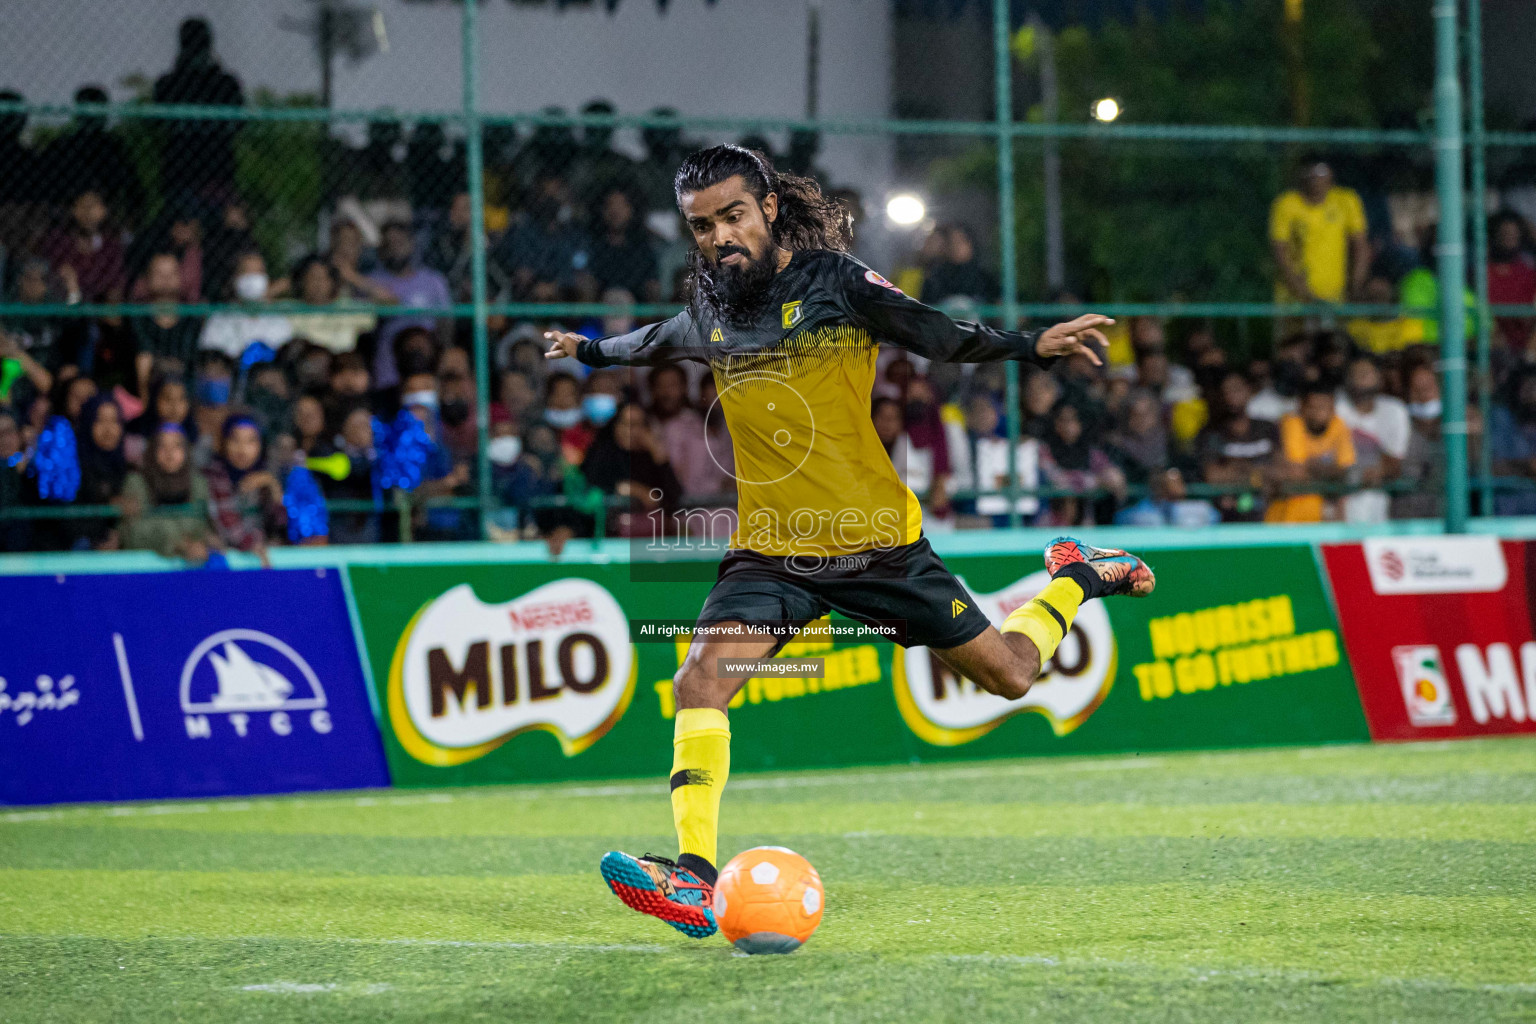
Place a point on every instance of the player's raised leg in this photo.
(681, 892)
(1007, 661)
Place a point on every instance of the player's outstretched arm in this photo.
(895, 317)
(667, 342)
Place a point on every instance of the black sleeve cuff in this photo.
(589, 353)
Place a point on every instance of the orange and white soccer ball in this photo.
(768, 900)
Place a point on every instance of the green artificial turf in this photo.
(1387, 883)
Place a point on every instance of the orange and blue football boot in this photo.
(1120, 572)
(659, 887)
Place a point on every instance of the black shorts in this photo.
(907, 589)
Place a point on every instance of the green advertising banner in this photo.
(499, 673)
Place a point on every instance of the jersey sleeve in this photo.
(667, 342)
(1354, 213)
(895, 317)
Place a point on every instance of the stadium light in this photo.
(905, 209)
(1106, 109)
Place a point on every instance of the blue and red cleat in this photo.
(659, 887)
(1121, 572)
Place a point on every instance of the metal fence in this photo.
(268, 176)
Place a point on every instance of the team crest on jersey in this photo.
(874, 278)
(792, 314)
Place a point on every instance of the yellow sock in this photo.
(1047, 616)
(701, 762)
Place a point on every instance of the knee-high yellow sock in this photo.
(1046, 617)
(701, 762)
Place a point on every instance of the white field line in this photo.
(1195, 973)
(932, 773)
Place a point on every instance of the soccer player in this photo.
(789, 324)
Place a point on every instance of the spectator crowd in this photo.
(193, 435)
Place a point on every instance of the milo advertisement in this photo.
(526, 672)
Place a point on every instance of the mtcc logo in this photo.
(250, 678)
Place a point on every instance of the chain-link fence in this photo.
(238, 315)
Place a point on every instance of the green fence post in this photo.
(1452, 264)
(474, 155)
(1003, 85)
(1479, 144)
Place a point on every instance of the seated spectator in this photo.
(318, 284)
(456, 393)
(1424, 462)
(86, 253)
(1042, 393)
(922, 456)
(1512, 442)
(1276, 386)
(622, 254)
(311, 439)
(103, 470)
(355, 441)
(178, 232)
(411, 284)
(1237, 448)
(1511, 277)
(1385, 334)
(212, 388)
(15, 534)
(1168, 504)
(168, 405)
(232, 333)
(32, 372)
(349, 377)
(167, 479)
(1140, 445)
(562, 410)
(165, 335)
(245, 501)
(353, 262)
(227, 239)
(516, 401)
(1379, 429)
(982, 465)
(41, 337)
(543, 248)
(681, 429)
(959, 273)
(268, 397)
(71, 395)
(540, 473)
(450, 254)
(1070, 461)
(628, 459)
(1315, 447)
(443, 476)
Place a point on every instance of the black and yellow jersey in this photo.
(812, 476)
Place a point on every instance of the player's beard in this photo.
(735, 291)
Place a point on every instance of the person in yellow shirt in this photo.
(1383, 335)
(1315, 446)
(1317, 233)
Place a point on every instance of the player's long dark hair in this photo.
(807, 219)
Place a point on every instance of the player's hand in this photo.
(561, 344)
(1074, 338)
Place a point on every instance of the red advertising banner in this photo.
(1439, 634)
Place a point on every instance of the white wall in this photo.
(741, 57)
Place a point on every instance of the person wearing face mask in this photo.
(403, 276)
(233, 333)
(562, 410)
(456, 409)
(167, 479)
(627, 459)
(1379, 428)
(1424, 463)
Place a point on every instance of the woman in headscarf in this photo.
(169, 404)
(103, 469)
(627, 459)
(167, 479)
(1140, 445)
(244, 500)
(1070, 461)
